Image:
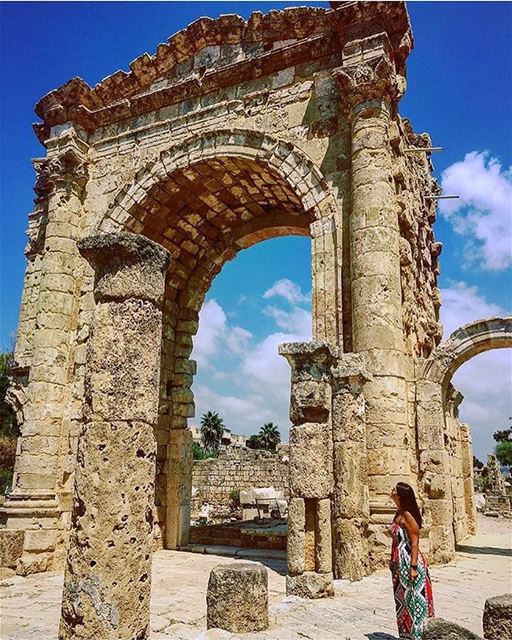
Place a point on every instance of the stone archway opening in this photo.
(445, 446)
(204, 214)
(254, 304)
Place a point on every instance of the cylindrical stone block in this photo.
(497, 619)
(296, 536)
(108, 573)
(237, 598)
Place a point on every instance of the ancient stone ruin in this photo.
(234, 132)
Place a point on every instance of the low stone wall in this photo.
(236, 469)
(248, 535)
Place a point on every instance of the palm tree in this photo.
(212, 428)
(269, 436)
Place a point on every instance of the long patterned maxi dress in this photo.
(413, 602)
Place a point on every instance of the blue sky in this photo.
(459, 90)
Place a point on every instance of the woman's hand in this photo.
(413, 574)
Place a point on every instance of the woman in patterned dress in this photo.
(411, 581)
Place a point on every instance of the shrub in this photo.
(198, 453)
(7, 452)
(234, 496)
(5, 480)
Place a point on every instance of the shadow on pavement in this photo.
(490, 551)
(381, 636)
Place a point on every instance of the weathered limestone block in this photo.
(123, 355)
(310, 401)
(310, 584)
(295, 550)
(237, 598)
(178, 488)
(439, 629)
(11, 547)
(323, 537)
(111, 531)
(311, 473)
(107, 581)
(126, 262)
(351, 548)
(497, 619)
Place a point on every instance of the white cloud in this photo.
(485, 380)
(242, 415)
(295, 321)
(462, 304)
(254, 386)
(288, 290)
(214, 334)
(483, 214)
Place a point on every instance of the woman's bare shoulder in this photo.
(410, 520)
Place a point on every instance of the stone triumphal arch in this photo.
(231, 133)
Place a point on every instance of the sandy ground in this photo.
(359, 611)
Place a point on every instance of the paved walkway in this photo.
(359, 611)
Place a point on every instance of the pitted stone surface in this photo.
(127, 266)
(237, 598)
(497, 620)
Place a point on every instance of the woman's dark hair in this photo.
(408, 501)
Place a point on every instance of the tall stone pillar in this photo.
(108, 568)
(351, 505)
(311, 470)
(467, 470)
(434, 467)
(327, 312)
(45, 351)
(369, 90)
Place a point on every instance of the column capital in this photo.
(126, 265)
(368, 73)
(311, 360)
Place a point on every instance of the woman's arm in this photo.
(413, 533)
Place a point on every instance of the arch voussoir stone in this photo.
(464, 343)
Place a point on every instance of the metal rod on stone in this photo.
(107, 583)
(441, 197)
(423, 149)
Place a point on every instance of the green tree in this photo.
(269, 436)
(253, 442)
(8, 425)
(198, 453)
(502, 435)
(477, 464)
(503, 451)
(212, 428)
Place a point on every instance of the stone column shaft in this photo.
(49, 358)
(370, 87)
(351, 509)
(311, 470)
(108, 569)
(326, 285)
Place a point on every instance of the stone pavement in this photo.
(362, 610)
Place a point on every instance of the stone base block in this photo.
(33, 563)
(237, 598)
(310, 585)
(439, 629)
(11, 547)
(498, 617)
